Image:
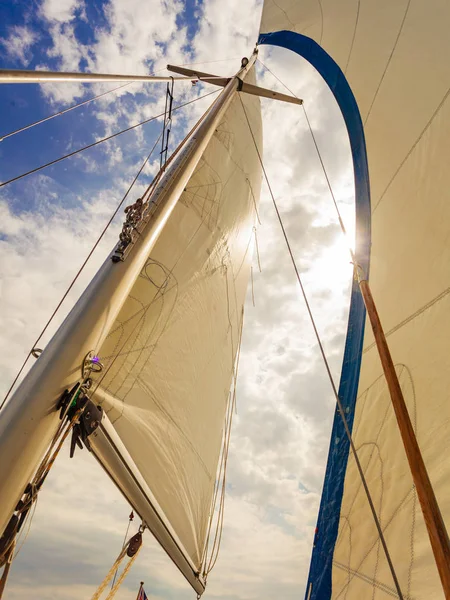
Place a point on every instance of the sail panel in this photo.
(394, 56)
(170, 356)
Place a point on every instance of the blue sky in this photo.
(48, 222)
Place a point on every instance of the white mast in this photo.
(28, 421)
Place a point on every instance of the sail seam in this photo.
(387, 64)
(411, 150)
(421, 310)
(353, 38)
(381, 586)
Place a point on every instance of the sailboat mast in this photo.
(28, 421)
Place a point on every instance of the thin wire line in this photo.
(80, 270)
(105, 139)
(62, 112)
(327, 367)
(341, 222)
(66, 110)
(123, 546)
(208, 62)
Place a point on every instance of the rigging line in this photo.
(61, 112)
(130, 519)
(209, 62)
(105, 139)
(80, 270)
(338, 212)
(219, 529)
(328, 369)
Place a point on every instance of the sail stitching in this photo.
(413, 316)
(353, 38)
(411, 150)
(387, 64)
(377, 584)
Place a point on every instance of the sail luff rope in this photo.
(6, 570)
(29, 499)
(105, 139)
(328, 369)
(72, 283)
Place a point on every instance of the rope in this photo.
(6, 570)
(124, 573)
(130, 519)
(105, 139)
(31, 497)
(222, 473)
(338, 212)
(113, 570)
(327, 367)
(80, 270)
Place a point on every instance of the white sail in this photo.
(166, 322)
(170, 355)
(394, 56)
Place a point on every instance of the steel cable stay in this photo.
(105, 139)
(328, 370)
(91, 99)
(62, 112)
(72, 283)
(34, 346)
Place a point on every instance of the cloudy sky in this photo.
(49, 221)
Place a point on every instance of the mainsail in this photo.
(170, 355)
(162, 327)
(387, 65)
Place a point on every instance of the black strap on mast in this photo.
(167, 125)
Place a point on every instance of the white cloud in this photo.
(19, 42)
(61, 10)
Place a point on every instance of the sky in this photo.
(49, 221)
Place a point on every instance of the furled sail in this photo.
(387, 64)
(170, 355)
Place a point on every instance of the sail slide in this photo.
(169, 357)
(386, 61)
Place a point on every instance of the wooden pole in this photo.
(432, 515)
